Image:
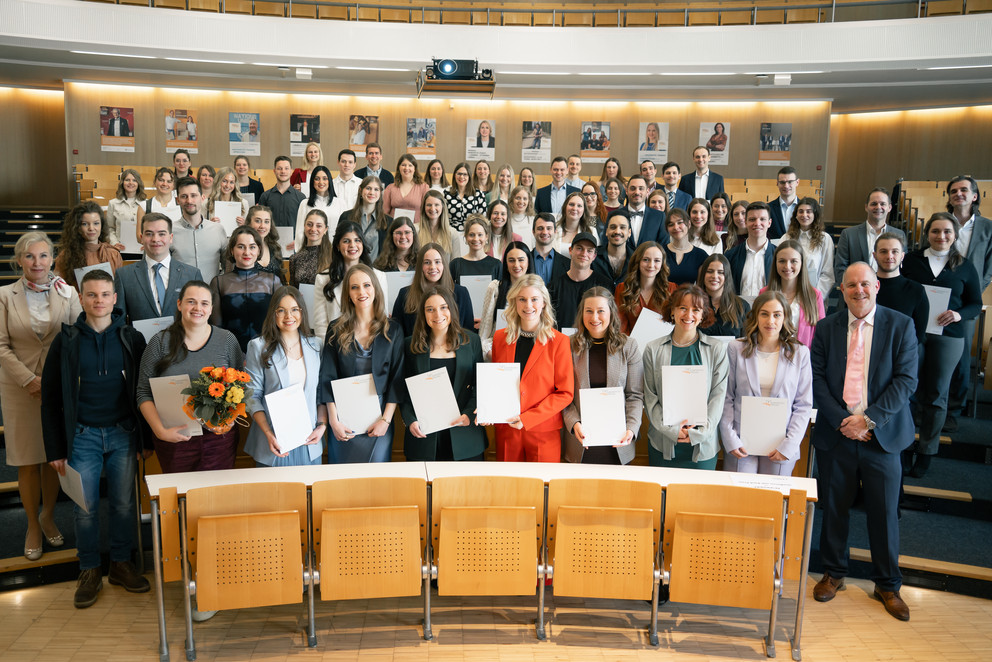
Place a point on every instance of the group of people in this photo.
(742, 285)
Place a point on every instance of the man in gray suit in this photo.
(149, 288)
(975, 243)
(857, 242)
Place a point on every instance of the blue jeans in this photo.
(95, 450)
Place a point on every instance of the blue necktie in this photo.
(159, 286)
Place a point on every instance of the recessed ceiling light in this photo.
(143, 57)
(191, 59)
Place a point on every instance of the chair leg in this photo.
(428, 633)
(187, 603)
(541, 634)
(797, 632)
(137, 510)
(311, 616)
(655, 590)
(163, 640)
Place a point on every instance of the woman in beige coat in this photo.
(32, 312)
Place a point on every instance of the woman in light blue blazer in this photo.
(768, 362)
(282, 356)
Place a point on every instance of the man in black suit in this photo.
(646, 224)
(783, 206)
(703, 183)
(613, 256)
(373, 157)
(118, 126)
(752, 261)
(550, 198)
(549, 264)
(863, 425)
(146, 290)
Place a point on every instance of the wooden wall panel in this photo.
(32, 134)
(876, 149)
(810, 126)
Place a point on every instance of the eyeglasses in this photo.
(589, 194)
(787, 181)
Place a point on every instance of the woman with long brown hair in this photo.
(84, 242)
(646, 285)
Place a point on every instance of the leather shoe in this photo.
(123, 573)
(88, 587)
(893, 603)
(827, 588)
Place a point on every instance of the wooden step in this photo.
(931, 565)
(944, 439)
(935, 493)
(8, 487)
(57, 557)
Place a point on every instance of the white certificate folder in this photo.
(357, 402)
(290, 416)
(433, 400)
(684, 394)
(169, 401)
(498, 392)
(604, 420)
(938, 298)
(764, 422)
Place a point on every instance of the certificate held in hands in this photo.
(499, 392)
(290, 417)
(649, 326)
(764, 422)
(604, 420)
(357, 402)
(683, 394)
(169, 400)
(433, 400)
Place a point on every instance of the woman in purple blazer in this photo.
(767, 362)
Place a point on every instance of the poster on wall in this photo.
(421, 137)
(716, 136)
(652, 141)
(303, 130)
(776, 143)
(480, 140)
(245, 133)
(116, 129)
(362, 130)
(180, 130)
(595, 145)
(535, 144)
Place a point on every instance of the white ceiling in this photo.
(859, 65)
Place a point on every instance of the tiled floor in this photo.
(41, 625)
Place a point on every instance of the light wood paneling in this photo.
(33, 171)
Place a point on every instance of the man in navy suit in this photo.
(752, 261)
(670, 174)
(144, 289)
(864, 366)
(550, 198)
(703, 183)
(783, 206)
(646, 224)
(857, 242)
(549, 264)
(373, 156)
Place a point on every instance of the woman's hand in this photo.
(478, 322)
(172, 435)
(59, 466)
(317, 434)
(415, 430)
(739, 453)
(274, 445)
(298, 187)
(627, 438)
(378, 428)
(775, 456)
(120, 246)
(215, 219)
(34, 388)
(684, 432)
(240, 220)
(341, 433)
(461, 422)
(515, 423)
(948, 317)
(579, 434)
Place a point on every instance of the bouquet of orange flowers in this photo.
(217, 397)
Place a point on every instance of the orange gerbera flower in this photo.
(230, 375)
(217, 373)
(244, 376)
(207, 368)
(216, 390)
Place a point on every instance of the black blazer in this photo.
(780, 224)
(652, 229)
(387, 365)
(966, 292)
(466, 316)
(542, 204)
(466, 441)
(385, 177)
(714, 184)
(737, 256)
(492, 142)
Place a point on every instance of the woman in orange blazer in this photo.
(546, 380)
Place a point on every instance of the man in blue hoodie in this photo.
(90, 420)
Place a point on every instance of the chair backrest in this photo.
(243, 499)
(368, 493)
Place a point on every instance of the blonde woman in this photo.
(504, 182)
(312, 157)
(522, 214)
(126, 206)
(226, 190)
(434, 226)
(546, 375)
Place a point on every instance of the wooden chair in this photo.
(603, 540)
(723, 546)
(370, 539)
(486, 535)
(245, 546)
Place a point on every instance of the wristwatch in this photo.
(870, 424)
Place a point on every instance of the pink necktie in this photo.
(855, 374)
